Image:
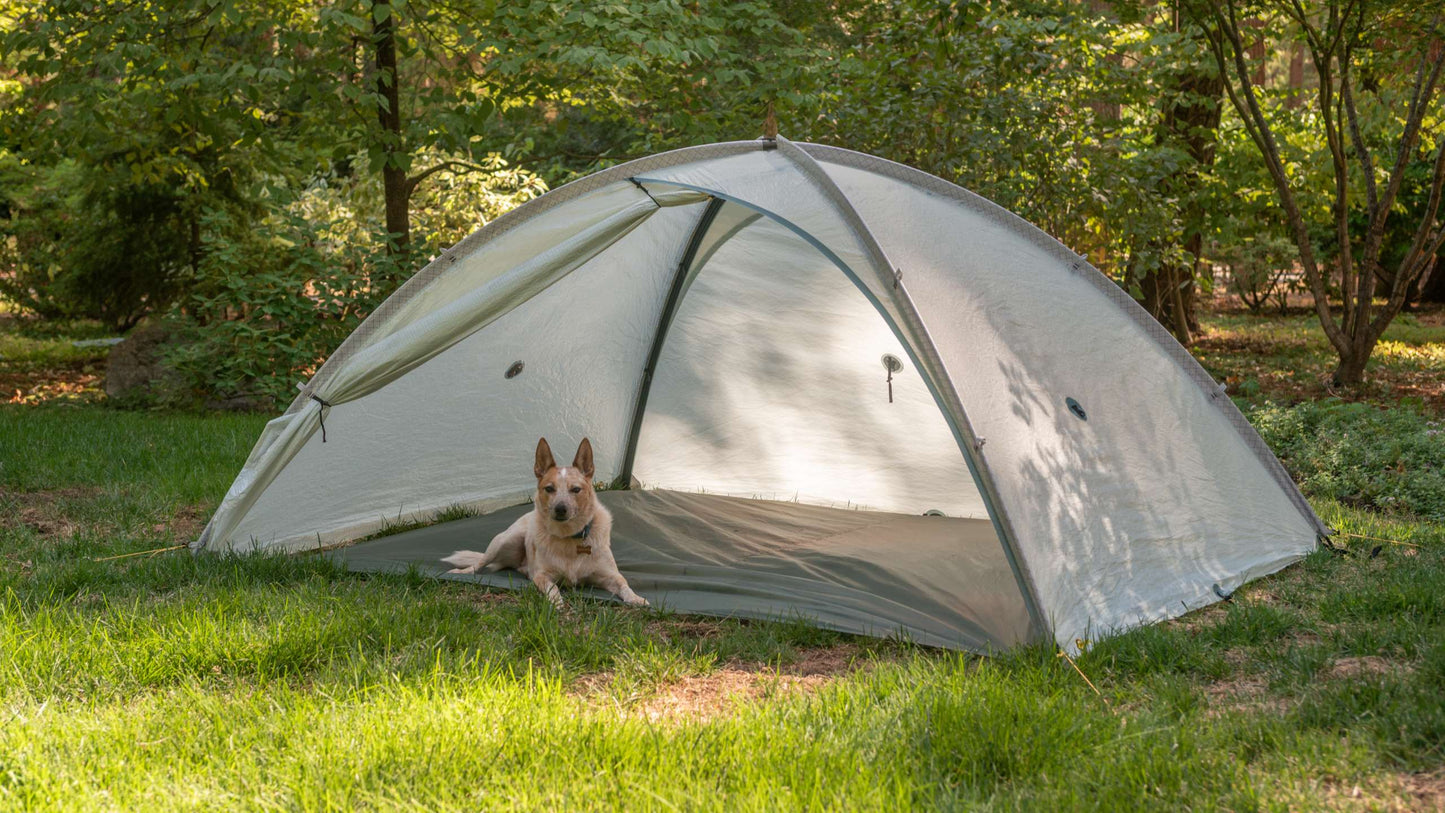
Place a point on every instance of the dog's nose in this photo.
(560, 512)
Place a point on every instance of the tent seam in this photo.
(664, 322)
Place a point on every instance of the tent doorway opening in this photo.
(772, 447)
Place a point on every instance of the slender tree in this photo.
(1341, 37)
(1190, 123)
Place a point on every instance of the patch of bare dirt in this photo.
(78, 382)
(1248, 693)
(1196, 621)
(704, 697)
(185, 526)
(488, 598)
(1366, 666)
(1305, 638)
(685, 629)
(825, 661)
(1426, 790)
(41, 510)
(1390, 792)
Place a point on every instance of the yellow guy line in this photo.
(1065, 656)
(139, 553)
(1378, 539)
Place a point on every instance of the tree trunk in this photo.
(393, 172)
(1351, 370)
(1192, 121)
(1296, 78)
(1105, 110)
(1333, 53)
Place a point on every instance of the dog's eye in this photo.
(576, 489)
(550, 489)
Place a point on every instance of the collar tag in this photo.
(583, 546)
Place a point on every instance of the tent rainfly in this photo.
(821, 384)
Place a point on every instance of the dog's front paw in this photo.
(636, 601)
(463, 570)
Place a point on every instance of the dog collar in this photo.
(583, 546)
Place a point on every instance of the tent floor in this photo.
(933, 580)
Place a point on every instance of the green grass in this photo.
(1288, 358)
(169, 681)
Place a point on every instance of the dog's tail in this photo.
(466, 561)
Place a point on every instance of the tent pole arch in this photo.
(947, 394)
(962, 435)
(1079, 265)
(268, 458)
(669, 309)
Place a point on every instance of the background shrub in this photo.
(1392, 460)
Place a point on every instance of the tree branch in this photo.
(1424, 246)
(1419, 102)
(1372, 197)
(415, 180)
(1257, 125)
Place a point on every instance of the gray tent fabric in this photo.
(714, 319)
(936, 581)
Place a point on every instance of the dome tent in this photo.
(823, 383)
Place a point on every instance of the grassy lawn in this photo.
(1289, 358)
(171, 681)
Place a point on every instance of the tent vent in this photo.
(515, 370)
(1076, 409)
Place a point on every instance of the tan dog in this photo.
(567, 537)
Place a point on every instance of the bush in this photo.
(1259, 267)
(82, 242)
(1391, 460)
(270, 300)
(266, 306)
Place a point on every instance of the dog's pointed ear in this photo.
(544, 461)
(583, 460)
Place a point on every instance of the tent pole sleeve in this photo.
(942, 385)
(669, 309)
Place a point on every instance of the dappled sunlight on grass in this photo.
(1426, 356)
(165, 680)
(1288, 358)
(42, 364)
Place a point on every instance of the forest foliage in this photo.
(259, 174)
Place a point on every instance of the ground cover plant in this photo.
(163, 680)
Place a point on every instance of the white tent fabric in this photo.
(786, 422)
(714, 319)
